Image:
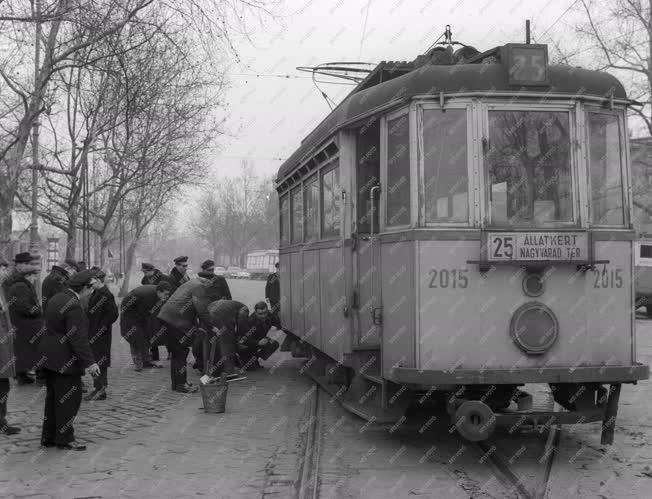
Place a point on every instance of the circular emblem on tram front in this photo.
(534, 328)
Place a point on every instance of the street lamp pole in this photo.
(34, 239)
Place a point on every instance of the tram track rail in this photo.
(308, 484)
(510, 480)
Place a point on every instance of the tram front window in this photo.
(528, 166)
(605, 169)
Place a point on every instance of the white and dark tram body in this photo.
(465, 229)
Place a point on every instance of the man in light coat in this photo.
(184, 313)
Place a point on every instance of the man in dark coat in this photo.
(273, 291)
(136, 312)
(152, 275)
(102, 313)
(228, 320)
(254, 342)
(25, 314)
(7, 370)
(179, 274)
(183, 314)
(66, 353)
(55, 281)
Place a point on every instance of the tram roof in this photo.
(433, 79)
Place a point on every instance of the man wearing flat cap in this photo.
(151, 275)
(102, 313)
(179, 273)
(25, 314)
(55, 281)
(66, 353)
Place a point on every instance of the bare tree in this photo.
(238, 215)
(617, 36)
(106, 28)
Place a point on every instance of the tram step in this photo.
(366, 346)
(373, 376)
(368, 412)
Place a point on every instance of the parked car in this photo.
(220, 270)
(243, 274)
(232, 272)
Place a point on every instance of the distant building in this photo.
(261, 263)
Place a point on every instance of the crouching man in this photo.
(229, 319)
(254, 343)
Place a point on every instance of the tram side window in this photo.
(398, 172)
(330, 202)
(445, 165)
(529, 168)
(297, 216)
(605, 169)
(285, 220)
(311, 208)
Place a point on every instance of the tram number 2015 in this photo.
(445, 278)
(611, 278)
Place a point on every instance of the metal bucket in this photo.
(214, 396)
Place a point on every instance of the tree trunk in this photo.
(6, 206)
(131, 252)
(71, 241)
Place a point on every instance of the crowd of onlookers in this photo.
(53, 340)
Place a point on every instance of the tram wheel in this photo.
(475, 420)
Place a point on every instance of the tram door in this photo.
(366, 248)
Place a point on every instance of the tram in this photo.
(460, 225)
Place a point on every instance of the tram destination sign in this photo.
(536, 246)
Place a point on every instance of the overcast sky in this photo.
(269, 115)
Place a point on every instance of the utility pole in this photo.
(34, 239)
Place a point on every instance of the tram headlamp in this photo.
(533, 284)
(534, 328)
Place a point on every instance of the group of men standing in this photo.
(59, 338)
(68, 332)
(199, 314)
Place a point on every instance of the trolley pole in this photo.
(34, 239)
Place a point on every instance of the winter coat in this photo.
(27, 319)
(225, 313)
(137, 313)
(176, 279)
(7, 360)
(64, 346)
(54, 282)
(102, 313)
(258, 328)
(189, 303)
(273, 288)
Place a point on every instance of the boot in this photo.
(96, 395)
(185, 388)
(7, 429)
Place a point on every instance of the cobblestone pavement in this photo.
(146, 441)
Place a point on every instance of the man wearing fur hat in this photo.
(25, 314)
(7, 359)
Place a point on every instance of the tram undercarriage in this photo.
(476, 410)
